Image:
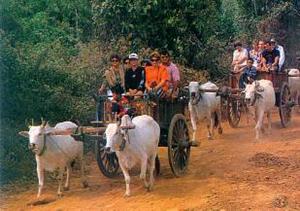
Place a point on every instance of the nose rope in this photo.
(197, 100)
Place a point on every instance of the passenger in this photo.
(281, 53)
(174, 75)
(240, 56)
(114, 84)
(270, 58)
(114, 77)
(248, 75)
(157, 77)
(261, 48)
(126, 64)
(255, 54)
(145, 63)
(134, 78)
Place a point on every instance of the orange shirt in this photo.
(157, 75)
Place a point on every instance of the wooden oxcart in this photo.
(169, 114)
(236, 104)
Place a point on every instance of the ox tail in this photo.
(216, 119)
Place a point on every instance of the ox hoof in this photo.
(126, 195)
(60, 195)
(66, 188)
(85, 184)
(210, 138)
(220, 130)
(194, 143)
(142, 176)
(149, 188)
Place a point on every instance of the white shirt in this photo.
(239, 55)
(282, 55)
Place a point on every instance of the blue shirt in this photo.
(250, 72)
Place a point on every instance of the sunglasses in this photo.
(154, 60)
(114, 60)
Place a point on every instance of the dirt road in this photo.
(232, 172)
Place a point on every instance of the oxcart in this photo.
(170, 115)
(235, 103)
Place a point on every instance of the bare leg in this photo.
(40, 173)
(127, 179)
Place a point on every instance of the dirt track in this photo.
(232, 172)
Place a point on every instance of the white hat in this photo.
(133, 56)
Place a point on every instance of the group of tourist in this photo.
(158, 76)
(265, 57)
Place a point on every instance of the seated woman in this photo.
(248, 75)
(114, 83)
(156, 77)
(134, 78)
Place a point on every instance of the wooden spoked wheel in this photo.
(234, 111)
(178, 145)
(284, 105)
(107, 162)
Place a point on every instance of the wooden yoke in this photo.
(81, 130)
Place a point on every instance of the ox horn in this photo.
(27, 123)
(44, 123)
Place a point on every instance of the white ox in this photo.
(54, 152)
(134, 141)
(294, 84)
(205, 105)
(261, 95)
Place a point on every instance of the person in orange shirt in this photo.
(156, 76)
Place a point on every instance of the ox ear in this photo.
(260, 89)
(24, 134)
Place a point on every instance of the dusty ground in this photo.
(232, 172)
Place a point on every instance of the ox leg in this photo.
(144, 162)
(209, 126)
(67, 184)
(126, 177)
(269, 122)
(220, 129)
(260, 118)
(83, 179)
(60, 178)
(151, 172)
(194, 126)
(41, 176)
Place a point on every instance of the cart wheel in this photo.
(178, 145)
(233, 112)
(107, 162)
(284, 105)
